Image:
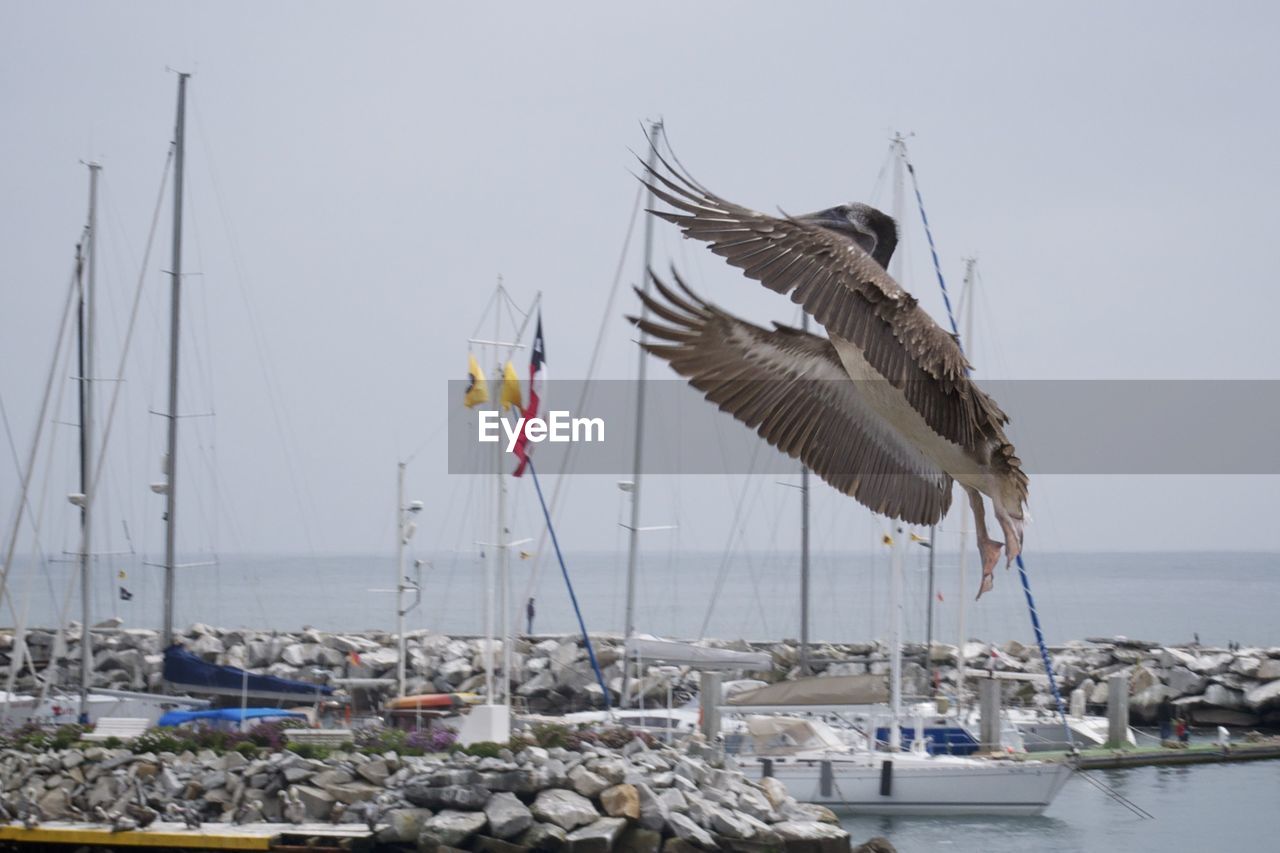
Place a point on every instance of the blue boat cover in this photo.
(183, 667)
(234, 715)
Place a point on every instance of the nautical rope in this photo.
(1022, 569)
(591, 652)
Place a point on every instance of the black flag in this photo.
(125, 595)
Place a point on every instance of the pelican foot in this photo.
(989, 550)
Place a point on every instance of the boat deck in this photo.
(172, 835)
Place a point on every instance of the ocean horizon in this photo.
(1165, 597)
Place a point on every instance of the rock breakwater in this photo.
(1239, 687)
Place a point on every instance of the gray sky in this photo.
(359, 175)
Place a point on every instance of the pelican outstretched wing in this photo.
(790, 387)
(842, 287)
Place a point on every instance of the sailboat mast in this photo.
(87, 305)
(804, 551)
(633, 546)
(966, 302)
(399, 585)
(175, 316)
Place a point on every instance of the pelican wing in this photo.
(790, 387)
(842, 287)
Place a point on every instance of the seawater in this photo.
(1205, 807)
(1164, 597)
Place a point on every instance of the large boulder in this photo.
(403, 826)
(684, 828)
(317, 802)
(597, 837)
(1264, 697)
(621, 801)
(585, 782)
(508, 817)
(566, 809)
(543, 838)
(463, 797)
(654, 811)
(449, 828)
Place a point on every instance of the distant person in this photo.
(1197, 637)
(529, 614)
(1164, 716)
(1182, 730)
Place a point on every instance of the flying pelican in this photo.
(883, 408)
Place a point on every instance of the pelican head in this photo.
(873, 230)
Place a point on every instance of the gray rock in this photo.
(756, 804)
(637, 839)
(1184, 681)
(730, 825)
(585, 782)
(676, 800)
(566, 809)
(654, 812)
(403, 825)
(1268, 670)
(449, 828)
(317, 802)
(808, 830)
(597, 837)
(1264, 697)
(508, 817)
(55, 805)
(686, 830)
(453, 797)
(543, 838)
(375, 772)
(522, 781)
(611, 769)
(359, 792)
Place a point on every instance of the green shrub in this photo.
(311, 750)
(484, 749)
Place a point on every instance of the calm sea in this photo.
(1167, 598)
(1202, 808)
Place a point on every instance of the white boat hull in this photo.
(919, 786)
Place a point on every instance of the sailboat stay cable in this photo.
(72, 287)
(285, 434)
(569, 456)
(1022, 569)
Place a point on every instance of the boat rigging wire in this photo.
(72, 287)
(303, 497)
(584, 395)
(901, 144)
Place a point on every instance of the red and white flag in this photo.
(537, 359)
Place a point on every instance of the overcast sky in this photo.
(360, 174)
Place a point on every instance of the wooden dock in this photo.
(1201, 753)
(171, 835)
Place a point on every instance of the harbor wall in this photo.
(1213, 686)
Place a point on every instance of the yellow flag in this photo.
(915, 538)
(510, 395)
(477, 388)
(887, 540)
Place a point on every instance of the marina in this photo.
(846, 429)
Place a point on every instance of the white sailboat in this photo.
(819, 766)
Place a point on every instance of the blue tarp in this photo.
(194, 673)
(233, 715)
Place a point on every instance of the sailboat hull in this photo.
(915, 785)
